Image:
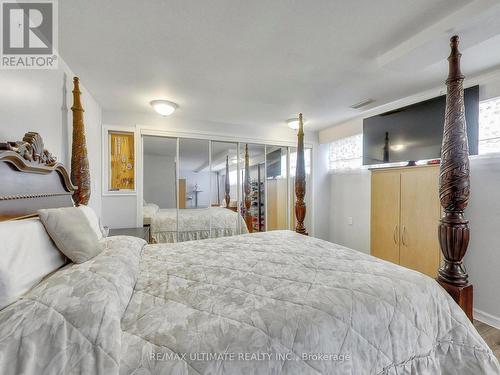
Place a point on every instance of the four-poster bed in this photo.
(80, 173)
(227, 185)
(300, 181)
(454, 188)
(280, 293)
(247, 190)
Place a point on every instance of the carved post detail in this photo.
(80, 175)
(227, 185)
(247, 190)
(454, 187)
(300, 181)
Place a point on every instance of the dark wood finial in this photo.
(454, 188)
(247, 190)
(454, 60)
(300, 181)
(227, 186)
(80, 173)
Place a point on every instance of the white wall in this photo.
(40, 101)
(320, 212)
(350, 200)
(159, 180)
(483, 256)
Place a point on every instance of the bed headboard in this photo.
(31, 179)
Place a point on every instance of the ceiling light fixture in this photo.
(293, 123)
(397, 147)
(164, 107)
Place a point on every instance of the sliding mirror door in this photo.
(252, 180)
(159, 187)
(225, 220)
(197, 188)
(277, 187)
(194, 189)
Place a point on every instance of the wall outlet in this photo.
(349, 220)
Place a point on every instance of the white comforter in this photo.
(195, 224)
(267, 303)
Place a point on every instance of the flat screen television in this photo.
(415, 132)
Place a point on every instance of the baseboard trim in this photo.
(486, 318)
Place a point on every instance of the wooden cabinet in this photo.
(405, 212)
(386, 199)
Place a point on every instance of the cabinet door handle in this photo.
(394, 235)
(403, 237)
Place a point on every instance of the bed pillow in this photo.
(28, 255)
(151, 209)
(72, 232)
(94, 221)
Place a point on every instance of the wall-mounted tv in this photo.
(415, 132)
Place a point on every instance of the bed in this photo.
(172, 225)
(266, 303)
(279, 302)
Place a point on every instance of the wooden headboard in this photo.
(31, 179)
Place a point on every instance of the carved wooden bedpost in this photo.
(80, 175)
(227, 185)
(248, 190)
(300, 181)
(454, 188)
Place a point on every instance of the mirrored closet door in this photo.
(252, 172)
(159, 187)
(194, 190)
(225, 220)
(199, 188)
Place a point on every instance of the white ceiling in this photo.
(260, 62)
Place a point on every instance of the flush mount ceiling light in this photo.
(164, 107)
(293, 123)
(398, 147)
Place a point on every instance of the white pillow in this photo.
(27, 256)
(72, 232)
(93, 220)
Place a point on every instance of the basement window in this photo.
(489, 126)
(346, 153)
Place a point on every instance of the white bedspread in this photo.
(267, 303)
(195, 224)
